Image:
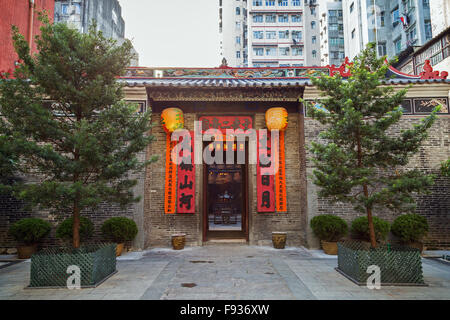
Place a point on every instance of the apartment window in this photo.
(284, 51)
(426, 3)
(283, 34)
(271, 51)
(382, 15)
(395, 16)
(297, 18)
(283, 3)
(238, 11)
(238, 25)
(296, 3)
(271, 34)
(238, 54)
(314, 54)
(257, 3)
(411, 35)
(353, 33)
(258, 35)
(258, 18)
(398, 45)
(352, 6)
(270, 3)
(428, 32)
(64, 8)
(313, 39)
(258, 51)
(313, 24)
(313, 11)
(271, 18)
(382, 49)
(283, 18)
(297, 51)
(297, 35)
(238, 40)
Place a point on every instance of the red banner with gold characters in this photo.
(280, 177)
(264, 174)
(171, 178)
(186, 175)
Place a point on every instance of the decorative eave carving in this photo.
(233, 94)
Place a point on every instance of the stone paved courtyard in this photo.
(228, 272)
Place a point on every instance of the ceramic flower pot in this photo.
(119, 249)
(279, 239)
(330, 248)
(25, 252)
(178, 241)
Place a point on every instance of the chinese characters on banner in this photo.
(186, 176)
(171, 178)
(264, 174)
(226, 122)
(280, 177)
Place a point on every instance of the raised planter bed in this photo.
(97, 262)
(399, 265)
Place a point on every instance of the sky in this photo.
(173, 33)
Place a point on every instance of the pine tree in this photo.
(69, 124)
(359, 161)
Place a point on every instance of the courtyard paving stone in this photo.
(227, 272)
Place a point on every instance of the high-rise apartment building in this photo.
(269, 33)
(394, 25)
(331, 24)
(106, 13)
(233, 32)
(80, 13)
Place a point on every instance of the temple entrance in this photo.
(225, 200)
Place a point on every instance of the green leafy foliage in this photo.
(358, 160)
(360, 228)
(120, 229)
(30, 230)
(445, 168)
(328, 227)
(65, 229)
(410, 227)
(64, 118)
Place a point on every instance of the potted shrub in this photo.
(65, 229)
(28, 232)
(411, 228)
(120, 229)
(360, 228)
(329, 229)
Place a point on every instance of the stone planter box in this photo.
(399, 265)
(97, 262)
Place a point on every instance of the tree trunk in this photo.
(373, 241)
(76, 225)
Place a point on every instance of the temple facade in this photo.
(235, 202)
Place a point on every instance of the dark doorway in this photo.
(225, 198)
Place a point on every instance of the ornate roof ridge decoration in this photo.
(224, 72)
(344, 69)
(428, 72)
